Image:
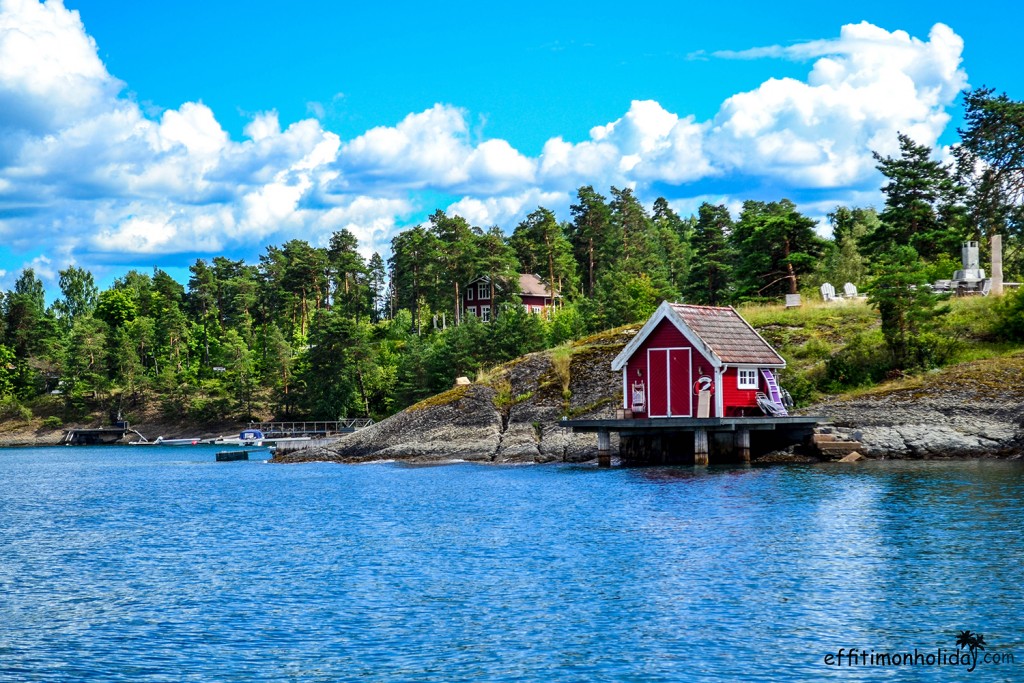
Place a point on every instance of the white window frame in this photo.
(471, 310)
(469, 294)
(537, 310)
(483, 290)
(743, 380)
(485, 314)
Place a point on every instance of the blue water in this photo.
(122, 564)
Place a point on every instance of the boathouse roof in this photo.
(719, 332)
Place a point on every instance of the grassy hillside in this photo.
(837, 347)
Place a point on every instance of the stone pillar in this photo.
(743, 444)
(700, 447)
(997, 265)
(604, 448)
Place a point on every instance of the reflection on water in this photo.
(161, 565)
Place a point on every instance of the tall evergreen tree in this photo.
(457, 259)
(920, 200)
(590, 233)
(543, 249)
(775, 244)
(376, 281)
(710, 272)
(79, 296)
(990, 162)
(413, 253)
(348, 274)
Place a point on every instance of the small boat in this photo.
(161, 441)
(251, 437)
(248, 437)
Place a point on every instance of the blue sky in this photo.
(140, 134)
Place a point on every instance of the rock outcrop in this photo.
(972, 410)
(513, 416)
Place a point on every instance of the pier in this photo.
(98, 436)
(319, 428)
(694, 441)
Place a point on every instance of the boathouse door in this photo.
(668, 372)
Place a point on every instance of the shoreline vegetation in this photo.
(511, 413)
(972, 408)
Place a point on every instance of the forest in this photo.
(320, 332)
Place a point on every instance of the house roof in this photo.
(529, 284)
(722, 333)
(532, 285)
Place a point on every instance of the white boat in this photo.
(161, 441)
(248, 437)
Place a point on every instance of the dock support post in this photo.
(700, 447)
(743, 444)
(604, 448)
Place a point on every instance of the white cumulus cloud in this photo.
(86, 172)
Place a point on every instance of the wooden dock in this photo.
(694, 441)
(313, 429)
(232, 456)
(100, 436)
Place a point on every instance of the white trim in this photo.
(664, 311)
(719, 397)
(689, 374)
(650, 385)
(485, 314)
(668, 380)
(626, 395)
(469, 294)
(747, 386)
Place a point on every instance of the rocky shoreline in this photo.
(970, 411)
(973, 410)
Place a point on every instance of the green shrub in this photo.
(12, 409)
(813, 348)
(53, 422)
(1010, 314)
(865, 360)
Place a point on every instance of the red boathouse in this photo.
(683, 351)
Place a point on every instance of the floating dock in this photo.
(232, 456)
(694, 441)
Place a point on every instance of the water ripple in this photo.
(161, 565)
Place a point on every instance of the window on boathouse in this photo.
(747, 378)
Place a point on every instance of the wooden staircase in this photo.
(833, 447)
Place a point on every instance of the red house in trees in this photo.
(478, 296)
(683, 350)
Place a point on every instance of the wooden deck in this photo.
(694, 441)
(687, 424)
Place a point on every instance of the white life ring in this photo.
(704, 383)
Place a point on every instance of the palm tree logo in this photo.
(972, 641)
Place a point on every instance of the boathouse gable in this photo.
(682, 349)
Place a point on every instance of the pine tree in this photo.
(920, 204)
(908, 309)
(591, 235)
(775, 244)
(709, 276)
